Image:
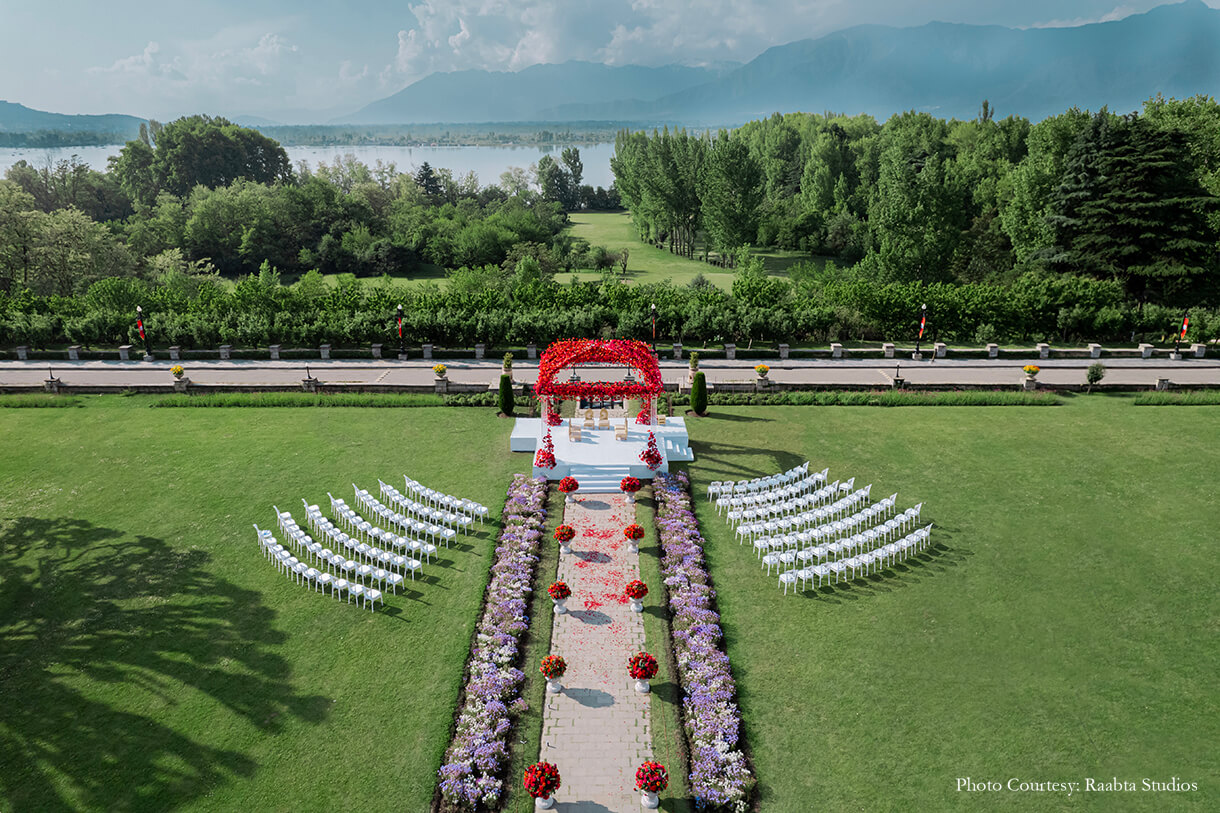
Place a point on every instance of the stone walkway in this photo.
(597, 731)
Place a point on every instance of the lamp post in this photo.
(148, 356)
(1181, 334)
(653, 308)
(402, 348)
(923, 321)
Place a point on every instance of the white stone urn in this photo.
(637, 605)
(553, 686)
(643, 687)
(560, 605)
(633, 546)
(544, 802)
(649, 800)
(565, 547)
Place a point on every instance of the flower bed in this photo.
(720, 775)
(471, 774)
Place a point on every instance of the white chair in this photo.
(371, 597)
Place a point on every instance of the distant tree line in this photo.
(1130, 199)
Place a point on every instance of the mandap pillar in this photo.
(652, 410)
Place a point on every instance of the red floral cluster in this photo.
(652, 777)
(552, 412)
(559, 591)
(651, 455)
(568, 484)
(571, 352)
(642, 417)
(630, 485)
(642, 666)
(545, 459)
(636, 589)
(541, 780)
(634, 531)
(553, 667)
(565, 533)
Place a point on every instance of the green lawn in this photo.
(153, 660)
(1064, 627)
(649, 264)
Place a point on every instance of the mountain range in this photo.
(946, 69)
(943, 68)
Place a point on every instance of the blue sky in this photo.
(307, 60)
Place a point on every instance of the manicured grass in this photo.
(665, 707)
(649, 264)
(1188, 398)
(1063, 627)
(154, 660)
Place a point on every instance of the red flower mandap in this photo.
(575, 352)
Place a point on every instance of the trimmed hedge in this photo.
(879, 398)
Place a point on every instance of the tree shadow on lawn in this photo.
(85, 604)
(718, 459)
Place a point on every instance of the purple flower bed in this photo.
(470, 775)
(720, 775)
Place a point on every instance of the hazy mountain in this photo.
(948, 69)
(488, 96)
(17, 118)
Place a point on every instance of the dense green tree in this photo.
(731, 192)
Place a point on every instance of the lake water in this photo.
(486, 162)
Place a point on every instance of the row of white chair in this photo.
(396, 565)
(737, 506)
(406, 525)
(778, 493)
(412, 510)
(442, 500)
(820, 543)
(717, 487)
(843, 514)
(882, 556)
(402, 545)
(303, 573)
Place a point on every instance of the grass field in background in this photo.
(1064, 626)
(647, 264)
(154, 660)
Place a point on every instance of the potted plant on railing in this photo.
(1031, 373)
(559, 592)
(180, 383)
(565, 534)
(636, 590)
(643, 668)
(762, 370)
(568, 486)
(508, 363)
(634, 533)
(440, 370)
(552, 668)
(651, 778)
(629, 485)
(541, 782)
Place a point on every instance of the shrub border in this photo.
(477, 757)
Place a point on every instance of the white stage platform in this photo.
(597, 460)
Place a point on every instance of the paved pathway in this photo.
(418, 373)
(597, 731)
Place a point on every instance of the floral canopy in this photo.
(575, 352)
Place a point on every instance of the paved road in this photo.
(418, 373)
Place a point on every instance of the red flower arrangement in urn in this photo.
(568, 486)
(541, 781)
(559, 591)
(630, 485)
(651, 778)
(552, 668)
(636, 590)
(643, 668)
(565, 533)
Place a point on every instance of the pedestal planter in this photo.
(1029, 384)
(637, 606)
(633, 546)
(649, 800)
(544, 803)
(642, 687)
(565, 548)
(560, 605)
(554, 686)
(181, 384)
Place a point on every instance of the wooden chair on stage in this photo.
(621, 432)
(573, 431)
(589, 419)
(603, 420)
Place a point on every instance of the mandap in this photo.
(559, 376)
